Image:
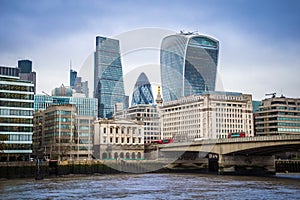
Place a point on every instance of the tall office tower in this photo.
(108, 76)
(81, 88)
(142, 92)
(188, 64)
(26, 73)
(73, 75)
(16, 115)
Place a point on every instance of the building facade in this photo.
(73, 76)
(118, 139)
(85, 106)
(26, 73)
(278, 116)
(148, 115)
(210, 115)
(142, 92)
(16, 115)
(62, 133)
(85, 115)
(108, 76)
(188, 65)
(55, 131)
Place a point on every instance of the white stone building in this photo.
(118, 139)
(149, 115)
(210, 115)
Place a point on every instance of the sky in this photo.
(259, 40)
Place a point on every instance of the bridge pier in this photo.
(246, 165)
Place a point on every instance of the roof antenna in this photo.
(70, 64)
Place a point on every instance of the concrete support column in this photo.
(246, 165)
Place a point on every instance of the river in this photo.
(153, 186)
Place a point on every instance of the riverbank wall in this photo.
(45, 169)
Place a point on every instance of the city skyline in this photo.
(258, 52)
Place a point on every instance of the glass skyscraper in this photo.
(142, 92)
(188, 65)
(108, 76)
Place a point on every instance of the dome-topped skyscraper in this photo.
(142, 92)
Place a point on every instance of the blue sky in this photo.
(260, 40)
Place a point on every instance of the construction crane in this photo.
(273, 94)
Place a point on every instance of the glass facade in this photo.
(73, 75)
(108, 80)
(278, 116)
(16, 116)
(188, 65)
(142, 93)
(85, 106)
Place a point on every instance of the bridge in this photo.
(233, 155)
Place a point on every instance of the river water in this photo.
(153, 186)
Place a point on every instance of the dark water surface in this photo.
(154, 186)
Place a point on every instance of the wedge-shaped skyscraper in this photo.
(188, 64)
(108, 76)
(142, 92)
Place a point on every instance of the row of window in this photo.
(17, 137)
(116, 140)
(4, 111)
(16, 88)
(288, 119)
(17, 146)
(15, 129)
(287, 124)
(16, 121)
(16, 96)
(117, 130)
(297, 130)
(16, 104)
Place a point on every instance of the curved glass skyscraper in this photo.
(188, 65)
(108, 76)
(142, 92)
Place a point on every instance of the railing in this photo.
(260, 138)
(236, 140)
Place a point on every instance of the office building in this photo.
(26, 73)
(108, 76)
(142, 92)
(148, 114)
(278, 116)
(16, 115)
(64, 91)
(55, 131)
(85, 106)
(73, 76)
(210, 115)
(118, 139)
(80, 87)
(188, 65)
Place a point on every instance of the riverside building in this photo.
(148, 114)
(16, 115)
(85, 115)
(118, 139)
(278, 116)
(210, 115)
